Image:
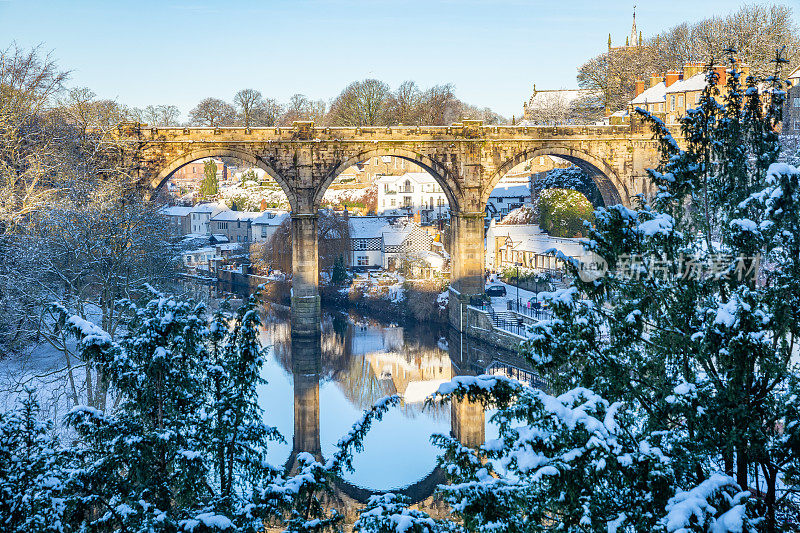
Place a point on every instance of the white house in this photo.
(264, 226)
(525, 245)
(412, 193)
(506, 197)
(200, 217)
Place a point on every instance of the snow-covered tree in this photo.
(694, 327)
(33, 472)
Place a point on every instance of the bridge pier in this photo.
(468, 422)
(306, 368)
(467, 263)
(305, 275)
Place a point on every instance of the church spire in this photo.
(634, 39)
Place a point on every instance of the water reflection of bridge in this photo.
(389, 363)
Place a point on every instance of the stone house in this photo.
(178, 220)
(264, 226)
(200, 217)
(369, 170)
(382, 242)
(791, 107)
(525, 245)
(669, 96)
(505, 198)
(235, 225)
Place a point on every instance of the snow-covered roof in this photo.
(270, 218)
(209, 208)
(369, 227)
(795, 75)
(530, 238)
(505, 191)
(219, 237)
(228, 216)
(176, 211)
(205, 250)
(228, 246)
(397, 234)
(656, 93)
(695, 83)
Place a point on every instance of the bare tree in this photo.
(267, 113)
(362, 103)
(756, 31)
(247, 100)
(439, 105)
(302, 108)
(213, 112)
(404, 104)
(157, 115)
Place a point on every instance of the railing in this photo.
(539, 313)
(504, 320)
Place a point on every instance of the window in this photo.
(797, 102)
(697, 98)
(392, 202)
(263, 231)
(362, 260)
(680, 101)
(672, 103)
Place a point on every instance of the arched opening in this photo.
(540, 201)
(438, 172)
(262, 172)
(398, 210)
(611, 189)
(223, 206)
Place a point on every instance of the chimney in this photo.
(639, 86)
(672, 77)
(722, 72)
(655, 79)
(690, 69)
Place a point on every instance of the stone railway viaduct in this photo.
(467, 159)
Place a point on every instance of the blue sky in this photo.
(179, 51)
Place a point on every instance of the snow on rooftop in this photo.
(228, 216)
(655, 94)
(695, 83)
(209, 208)
(367, 227)
(502, 191)
(271, 218)
(176, 211)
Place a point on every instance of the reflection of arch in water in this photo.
(306, 367)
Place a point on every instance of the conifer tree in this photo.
(33, 471)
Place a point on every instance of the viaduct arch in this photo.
(467, 159)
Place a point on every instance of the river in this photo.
(317, 388)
